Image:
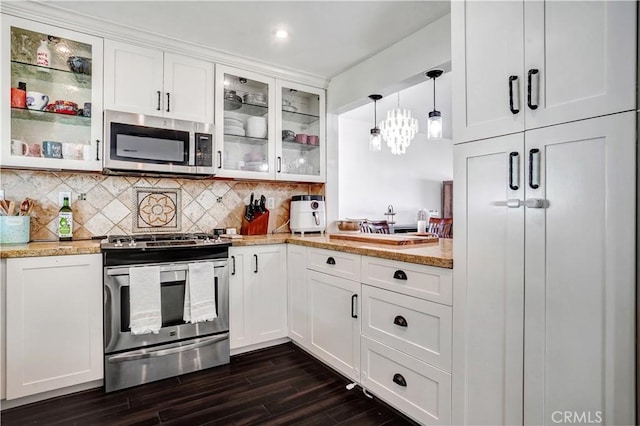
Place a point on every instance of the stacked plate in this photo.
(233, 126)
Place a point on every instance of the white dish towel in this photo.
(199, 293)
(144, 299)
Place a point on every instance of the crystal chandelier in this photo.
(399, 129)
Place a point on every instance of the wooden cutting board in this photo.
(391, 239)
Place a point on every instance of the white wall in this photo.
(370, 181)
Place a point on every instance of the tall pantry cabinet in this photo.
(544, 250)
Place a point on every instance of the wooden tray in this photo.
(391, 239)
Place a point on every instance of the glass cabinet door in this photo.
(52, 111)
(244, 133)
(300, 119)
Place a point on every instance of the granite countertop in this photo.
(438, 254)
(49, 248)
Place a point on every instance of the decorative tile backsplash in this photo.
(116, 205)
(156, 210)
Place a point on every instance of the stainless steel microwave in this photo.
(140, 144)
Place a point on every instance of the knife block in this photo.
(259, 225)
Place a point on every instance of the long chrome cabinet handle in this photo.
(233, 265)
(534, 168)
(255, 256)
(514, 171)
(532, 87)
(145, 353)
(168, 102)
(219, 159)
(514, 100)
(159, 100)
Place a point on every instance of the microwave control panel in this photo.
(204, 149)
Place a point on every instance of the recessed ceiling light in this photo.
(282, 34)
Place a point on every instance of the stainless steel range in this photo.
(178, 347)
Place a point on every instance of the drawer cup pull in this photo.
(331, 261)
(399, 380)
(399, 320)
(400, 275)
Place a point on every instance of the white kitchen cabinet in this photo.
(151, 82)
(334, 321)
(529, 64)
(297, 306)
(54, 323)
(544, 276)
(3, 328)
(300, 132)
(252, 111)
(257, 294)
(63, 127)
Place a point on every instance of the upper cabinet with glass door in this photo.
(300, 132)
(51, 108)
(244, 130)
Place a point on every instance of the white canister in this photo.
(422, 226)
(256, 127)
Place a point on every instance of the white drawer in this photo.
(414, 326)
(425, 282)
(345, 265)
(414, 387)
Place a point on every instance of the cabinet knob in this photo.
(399, 380)
(400, 275)
(331, 261)
(400, 321)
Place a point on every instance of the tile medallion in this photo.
(157, 210)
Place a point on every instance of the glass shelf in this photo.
(298, 145)
(50, 117)
(22, 69)
(245, 139)
(251, 109)
(299, 117)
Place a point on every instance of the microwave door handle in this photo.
(143, 353)
(192, 149)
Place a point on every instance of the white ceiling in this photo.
(326, 37)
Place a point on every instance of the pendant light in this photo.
(434, 122)
(375, 138)
(399, 129)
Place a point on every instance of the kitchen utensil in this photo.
(24, 207)
(31, 206)
(263, 203)
(5, 206)
(37, 101)
(11, 208)
(79, 64)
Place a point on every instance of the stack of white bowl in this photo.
(233, 126)
(257, 127)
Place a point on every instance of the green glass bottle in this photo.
(65, 221)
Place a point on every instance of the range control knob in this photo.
(118, 243)
(132, 243)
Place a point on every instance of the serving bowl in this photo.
(348, 225)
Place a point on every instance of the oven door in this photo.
(173, 277)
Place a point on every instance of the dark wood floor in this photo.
(279, 385)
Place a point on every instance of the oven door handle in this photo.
(145, 353)
(166, 268)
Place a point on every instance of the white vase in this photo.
(44, 56)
